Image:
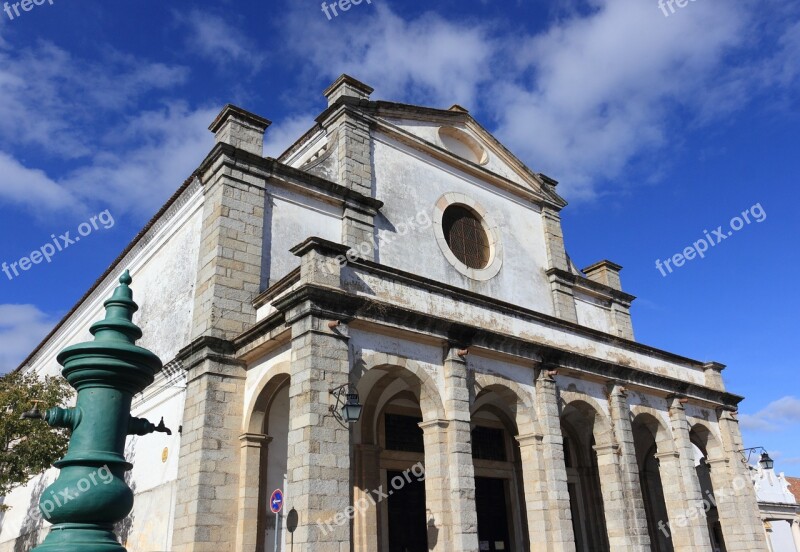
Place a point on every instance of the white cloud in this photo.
(776, 416)
(51, 99)
(213, 38)
(22, 327)
(58, 107)
(428, 59)
(159, 149)
(32, 188)
(283, 134)
(580, 100)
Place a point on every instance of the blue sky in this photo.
(658, 128)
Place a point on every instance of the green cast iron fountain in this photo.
(90, 494)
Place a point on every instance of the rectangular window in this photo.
(403, 433)
(488, 443)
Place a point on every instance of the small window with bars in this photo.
(488, 443)
(403, 433)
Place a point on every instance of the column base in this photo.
(80, 537)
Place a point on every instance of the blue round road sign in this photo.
(276, 501)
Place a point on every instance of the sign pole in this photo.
(275, 505)
(277, 529)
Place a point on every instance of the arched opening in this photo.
(702, 440)
(583, 478)
(390, 464)
(499, 493)
(268, 443)
(646, 430)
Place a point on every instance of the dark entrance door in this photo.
(408, 531)
(490, 500)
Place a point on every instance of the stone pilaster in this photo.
(353, 144)
(231, 239)
(561, 282)
(613, 490)
(366, 526)
(545, 479)
(463, 513)
(253, 452)
(437, 489)
(635, 516)
(741, 527)
(687, 518)
(318, 467)
(208, 483)
(713, 375)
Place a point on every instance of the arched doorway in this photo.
(390, 463)
(583, 481)
(265, 454)
(499, 493)
(646, 433)
(702, 440)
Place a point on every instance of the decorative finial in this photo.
(126, 279)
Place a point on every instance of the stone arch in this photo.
(515, 400)
(653, 442)
(704, 438)
(270, 382)
(260, 454)
(651, 419)
(591, 409)
(382, 372)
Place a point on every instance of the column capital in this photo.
(254, 439)
(437, 424)
(609, 448)
(529, 439)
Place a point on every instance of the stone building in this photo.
(404, 253)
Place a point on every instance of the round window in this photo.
(465, 236)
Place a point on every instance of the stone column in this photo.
(688, 523)
(614, 502)
(208, 484)
(437, 490)
(318, 468)
(635, 516)
(228, 279)
(250, 511)
(742, 532)
(546, 491)
(463, 513)
(366, 526)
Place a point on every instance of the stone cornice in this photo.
(268, 168)
(331, 303)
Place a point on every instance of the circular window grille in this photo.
(465, 236)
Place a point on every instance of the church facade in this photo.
(401, 259)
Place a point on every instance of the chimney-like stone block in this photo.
(240, 128)
(606, 273)
(346, 85)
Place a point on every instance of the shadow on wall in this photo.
(123, 528)
(32, 526)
